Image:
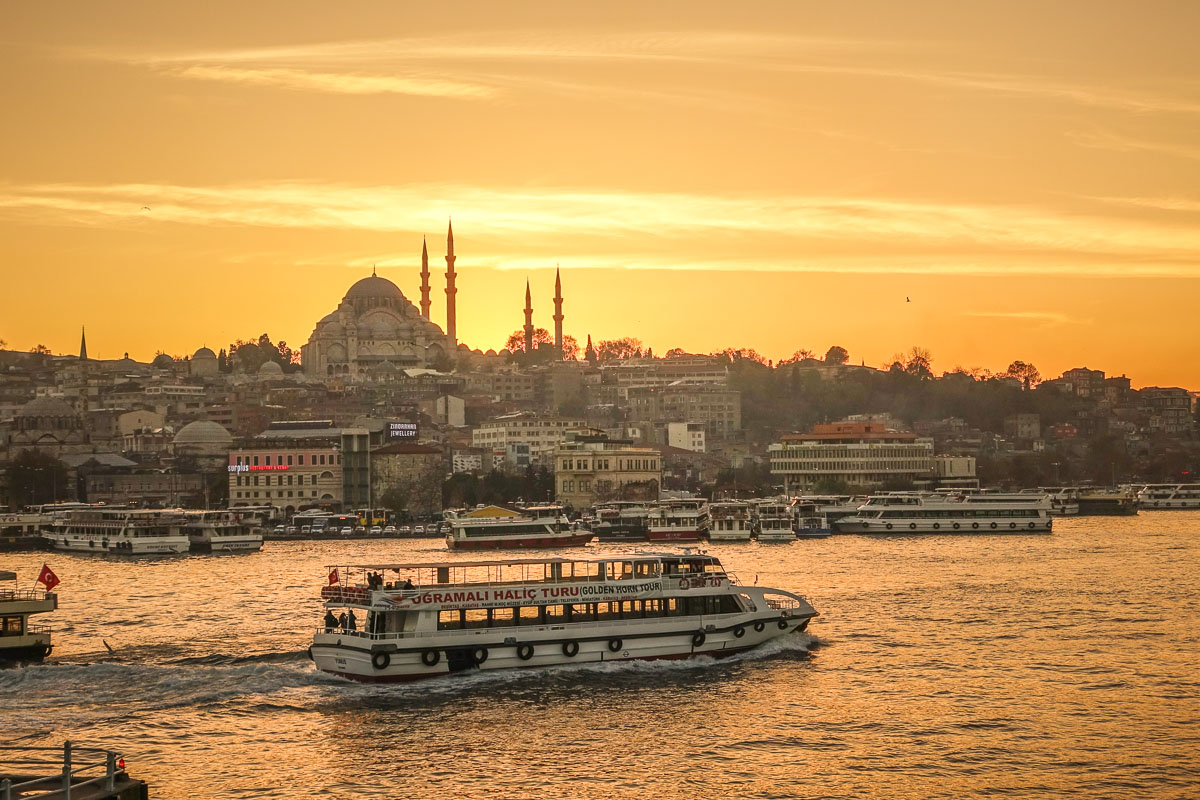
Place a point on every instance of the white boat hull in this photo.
(357, 655)
(120, 546)
(941, 527)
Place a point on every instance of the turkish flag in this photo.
(333, 576)
(48, 577)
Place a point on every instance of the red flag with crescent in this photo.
(47, 577)
(333, 576)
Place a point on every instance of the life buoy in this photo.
(783, 624)
(524, 651)
(1032, 525)
(975, 525)
(1012, 525)
(937, 525)
(956, 526)
(430, 658)
(614, 645)
(912, 526)
(683, 583)
(698, 639)
(760, 626)
(479, 655)
(994, 526)
(739, 632)
(570, 649)
(889, 526)
(380, 660)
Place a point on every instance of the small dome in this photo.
(374, 286)
(163, 361)
(270, 368)
(202, 432)
(203, 352)
(46, 407)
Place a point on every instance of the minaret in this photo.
(590, 353)
(558, 315)
(424, 279)
(82, 344)
(528, 319)
(450, 290)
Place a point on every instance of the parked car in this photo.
(418, 530)
(404, 530)
(360, 529)
(376, 530)
(305, 530)
(347, 531)
(389, 530)
(279, 530)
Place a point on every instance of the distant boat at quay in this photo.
(926, 512)
(424, 620)
(529, 527)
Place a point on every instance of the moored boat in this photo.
(1098, 501)
(20, 641)
(730, 521)
(773, 521)
(923, 512)
(127, 532)
(396, 622)
(678, 521)
(221, 532)
(530, 527)
(619, 521)
(1169, 496)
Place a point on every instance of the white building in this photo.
(860, 454)
(686, 436)
(542, 434)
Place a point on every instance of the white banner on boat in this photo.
(542, 595)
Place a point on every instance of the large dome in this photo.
(374, 286)
(46, 407)
(202, 432)
(203, 352)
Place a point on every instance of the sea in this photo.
(1063, 665)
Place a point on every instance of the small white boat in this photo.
(529, 527)
(730, 521)
(123, 532)
(221, 532)
(399, 622)
(1169, 496)
(774, 521)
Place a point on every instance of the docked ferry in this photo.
(533, 526)
(1064, 500)
(730, 521)
(678, 521)
(1161, 496)
(620, 521)
(1105, 502)
(127, 532)
(19, 640)
(221, 532)
(773, 519)
(923, 512)
(397, 622)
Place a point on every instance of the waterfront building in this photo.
(589, 469)
(636, 373)
(861, 454)
(541, 434)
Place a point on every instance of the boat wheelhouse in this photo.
(807, 522)
(127, 532)
(1169, 496)
(773, 520)
(620, 521)
(678, 521)
(19, 640)
(396, 622)
(730, 521)
(221, 532)
(923, 512)
(533, 527)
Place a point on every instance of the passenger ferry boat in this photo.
(1160, 496)
(1105, 502)
(221, 532)
(20, 641)
(730, 521)
(127, 532)
(534, 526)
(832, 507)
(428, 619)
(923, 512)
(1064, 500)
(774, 521)
(678, 521)
(807, 522)
(620, 521)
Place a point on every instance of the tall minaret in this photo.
(82, 344)
(558, 315)
(424, 279)
(528, 319)
(451, 334)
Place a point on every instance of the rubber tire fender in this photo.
(430, 658)
(889, 526)
(698, 639)
(479, 655)
(760, 626)
(783, 624)
(524, 651)
(381, 660)
(739, 632)
(614, 645)
(570, 649)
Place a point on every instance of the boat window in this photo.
(530, 615)
(476, 618)
(554, 615)
(652, 608)
(629, 610)
(502, 617)
(583, 612)
(646, 569)
(10, 626)
(449, 620)
(608, 611)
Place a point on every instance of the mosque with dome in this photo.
(377, 329)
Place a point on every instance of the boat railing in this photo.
(12, 595)
(64, 775)
(40, 628)
(360, 592)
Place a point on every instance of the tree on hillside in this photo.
(836, 356)
(740, 354)
(1026, 373)
(619, 349)
(516, 342)
(676, 352)
(40, 350)
(37, 477)
(803, 354)
(250, 354)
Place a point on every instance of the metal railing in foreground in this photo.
(68, 775)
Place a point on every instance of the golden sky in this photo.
(707, 174)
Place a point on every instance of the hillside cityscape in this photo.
(396, 414)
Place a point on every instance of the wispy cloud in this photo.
(1051, 317)
(660, 230)
(338, 82)
(1122, 144)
